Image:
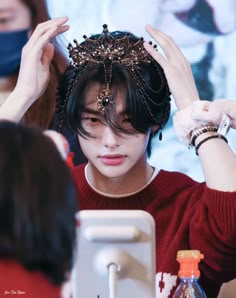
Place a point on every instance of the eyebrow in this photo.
(2, 10)
(96, 112)
(91, 111)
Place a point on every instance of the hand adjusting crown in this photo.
(107, 47)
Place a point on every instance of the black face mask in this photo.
(11, 43)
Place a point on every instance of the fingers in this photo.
(57, 23)
(156, 55)
(172, 52)
(167, 44)
(45, 32)
(37, 55)
(211, 116)
(176, 67)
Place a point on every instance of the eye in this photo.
(126, 123)
(5, 18)
(127, 120)
(92, 119)
(3, 21)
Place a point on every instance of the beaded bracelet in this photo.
(198, 131)
(218, 136)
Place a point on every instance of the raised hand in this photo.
(34, 72)
(36, 57)
(213, 111)
(176, 67)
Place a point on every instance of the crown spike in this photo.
(107, 47)
(105, 29)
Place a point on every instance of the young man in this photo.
(116, 96)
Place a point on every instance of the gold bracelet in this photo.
(198, 131)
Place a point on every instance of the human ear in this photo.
(155, 129)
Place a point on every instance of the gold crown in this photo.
(108, 47)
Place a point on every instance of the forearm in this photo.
(14, 107)
(217, 159)
(218, 163)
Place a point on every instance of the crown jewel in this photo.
(107, 47)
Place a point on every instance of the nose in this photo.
(109, 138)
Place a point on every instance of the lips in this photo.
(113, 160)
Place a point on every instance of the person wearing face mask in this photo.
(10, 51)
(18, 19)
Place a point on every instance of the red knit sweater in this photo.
(16, 281)
(188, 215)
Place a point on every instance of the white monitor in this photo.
(115, 254)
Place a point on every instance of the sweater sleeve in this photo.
(213, 232)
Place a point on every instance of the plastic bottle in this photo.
(189, 274)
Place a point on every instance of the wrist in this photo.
(198, 132)
(207, 137)
(21, 99)
(204, 136)
(188, 127)
(15, 106)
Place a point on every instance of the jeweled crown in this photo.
(107, 47)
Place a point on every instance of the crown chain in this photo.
(104, 99)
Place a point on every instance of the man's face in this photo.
(111, 154)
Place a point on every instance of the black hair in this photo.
(37, 202)
(146, 92)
